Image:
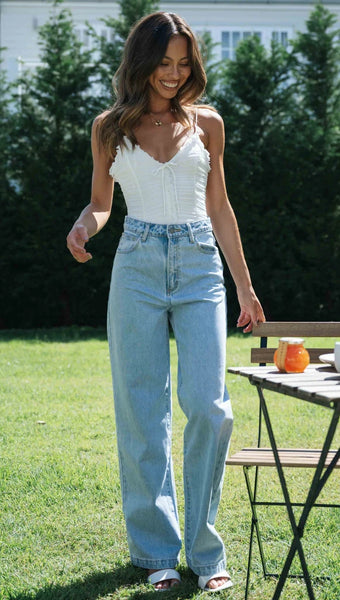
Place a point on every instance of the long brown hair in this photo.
(144, 50)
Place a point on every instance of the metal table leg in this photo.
(317, 484)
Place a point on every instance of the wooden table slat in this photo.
(325, 383)
(317, 384)
(334, 396)
(317, 389)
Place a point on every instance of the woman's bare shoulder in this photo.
(208, 118)
(100, 118)
(211, 124)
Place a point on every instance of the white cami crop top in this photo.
(167, 193)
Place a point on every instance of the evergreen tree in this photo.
(255, 98)
(130, 13)
(5, 135)
(282, 168)
(212, 67)
(8, 196)
(316, 69)
(51, 168)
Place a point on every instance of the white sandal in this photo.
(203, 580)
(163, 575)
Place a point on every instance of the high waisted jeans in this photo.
(173, 273)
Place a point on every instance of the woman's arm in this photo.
(224, 222)
(95, 215)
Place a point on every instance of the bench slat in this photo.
(298, 329)
(289, 457)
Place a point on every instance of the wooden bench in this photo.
(290, 457)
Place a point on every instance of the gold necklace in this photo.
(159, 122)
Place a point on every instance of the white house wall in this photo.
(19, 20)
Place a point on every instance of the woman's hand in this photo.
(76, 240)
(251, 310)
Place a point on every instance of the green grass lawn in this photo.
(62, 533)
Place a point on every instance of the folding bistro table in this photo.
(318, 385)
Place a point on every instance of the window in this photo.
(281, 37)
(85, 37)
(230, 40)
(82, 35)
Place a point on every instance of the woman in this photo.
(167, 155)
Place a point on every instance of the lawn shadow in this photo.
(99, 585)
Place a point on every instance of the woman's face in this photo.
(173, 71)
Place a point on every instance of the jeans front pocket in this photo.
(128, 242)
(205, 242)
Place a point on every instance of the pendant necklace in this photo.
(159, 122)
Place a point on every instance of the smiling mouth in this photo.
(169, 85)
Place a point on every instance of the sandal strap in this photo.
(203, 579)
(163, 575)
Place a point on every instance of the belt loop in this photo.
(145, 232)
(191, 235)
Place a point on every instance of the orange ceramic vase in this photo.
(291, 356)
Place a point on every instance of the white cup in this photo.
(337, 356)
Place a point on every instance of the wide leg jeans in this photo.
(162, 274)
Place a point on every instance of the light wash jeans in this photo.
(173, 273)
